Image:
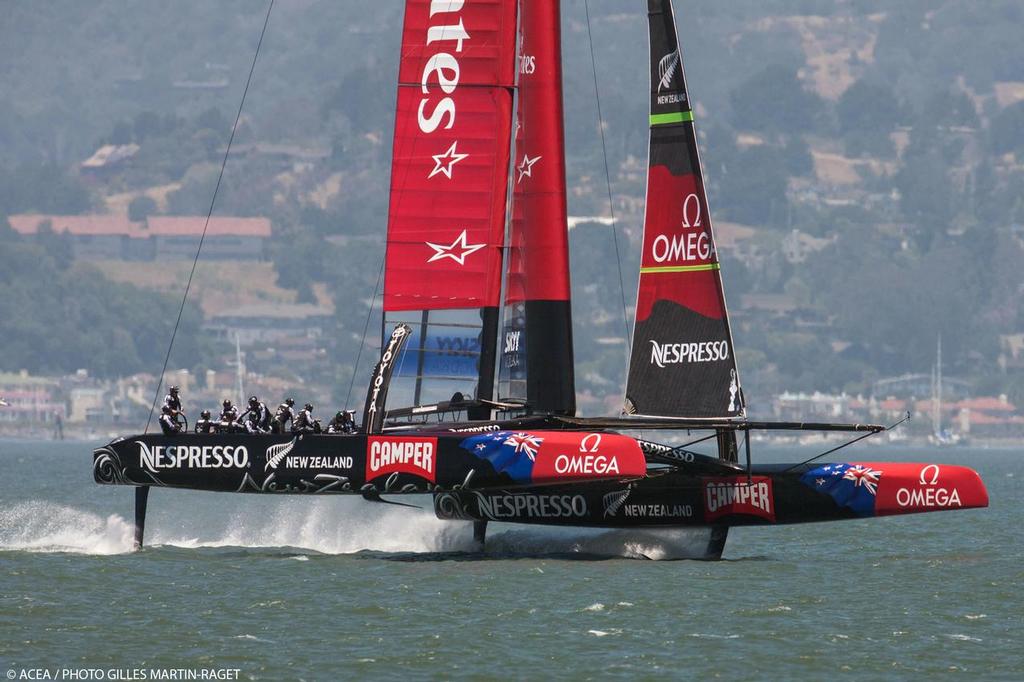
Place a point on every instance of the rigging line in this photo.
(846, 444)
(608, 183)
(209, 214)
(366, 330)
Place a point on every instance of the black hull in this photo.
(702, 492)
(665, 499)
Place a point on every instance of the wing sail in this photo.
(682, 362)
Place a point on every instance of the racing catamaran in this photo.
(477, 226)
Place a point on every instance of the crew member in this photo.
(304, 422)
(204, 424)
(342, 423)
(173, 400)
(259, 416)
(229, 424)
(229, 410)
(168, 424)
(284, 415)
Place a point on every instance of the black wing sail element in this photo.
(682, 362)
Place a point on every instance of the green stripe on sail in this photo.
(674, 117)
(681, 268)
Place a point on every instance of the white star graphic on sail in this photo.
(526, 167)
(457, 251)
(443, 162)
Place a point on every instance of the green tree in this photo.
(774, 100)
(755, 185)
(867, 107)
(1006, 133)
(141, 207)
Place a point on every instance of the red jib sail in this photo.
(536, 350)
(682, 362)
(450, 160)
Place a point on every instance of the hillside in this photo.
(869, 152)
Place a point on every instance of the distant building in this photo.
(108, 158)
(797, 246)
(101, 236)
(269, 323)
(30, 399)
(226, 238)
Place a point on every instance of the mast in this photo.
(239, 369)
(938, 386)
(682, 362)
(538, 313)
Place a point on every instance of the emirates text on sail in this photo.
(444, 65)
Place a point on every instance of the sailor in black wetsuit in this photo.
(304, 422)
(204, 424)
(257, 417)
(228, 411)
(173, 401)
(342, 423)
(284, 415)
(229, 424)
(229, 419)
(167, 422)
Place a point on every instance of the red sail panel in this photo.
(537, 359)
(682, 362)
(539, 228)
(450, 160)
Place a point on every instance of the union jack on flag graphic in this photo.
(524, 442)
(509, 452)
(850, 485)
(863, 476)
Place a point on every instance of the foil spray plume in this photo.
(334, 526)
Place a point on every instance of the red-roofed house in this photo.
(226, 238)
(102, 236)
(92, 236)
(987, 404)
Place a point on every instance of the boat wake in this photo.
(39, 526)
(329, 526)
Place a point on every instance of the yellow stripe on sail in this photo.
(681, 268)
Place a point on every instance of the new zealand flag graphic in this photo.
(850, 485)
(508, 451)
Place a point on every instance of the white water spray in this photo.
(39, 526)
(327, 526)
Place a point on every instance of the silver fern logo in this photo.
(614, 500)
(276, 453)
(667, 69)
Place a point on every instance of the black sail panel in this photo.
(682, 362)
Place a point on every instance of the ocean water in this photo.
(331, 588)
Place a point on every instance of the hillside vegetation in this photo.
(888, 135)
